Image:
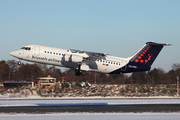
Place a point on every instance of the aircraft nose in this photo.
(12, 53)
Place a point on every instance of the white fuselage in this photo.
(61, 57)
(82, 61)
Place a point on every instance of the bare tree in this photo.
(176, 66)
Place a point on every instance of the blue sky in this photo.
(116, 27)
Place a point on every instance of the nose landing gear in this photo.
(19, 63)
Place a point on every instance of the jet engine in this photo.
(73, 58)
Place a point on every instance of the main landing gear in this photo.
(79, 72)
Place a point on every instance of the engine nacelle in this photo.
(67, 58)
(73, 58)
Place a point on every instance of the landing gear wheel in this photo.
(83, 73)
(77, 73)
(19, 63)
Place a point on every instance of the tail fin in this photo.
(143, 59)
(147, 54)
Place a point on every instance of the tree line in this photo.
(10, 70)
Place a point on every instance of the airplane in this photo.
(83, 61)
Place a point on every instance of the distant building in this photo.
(46, 82)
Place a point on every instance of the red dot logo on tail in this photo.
(141, 55)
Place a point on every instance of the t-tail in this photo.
(144, 58)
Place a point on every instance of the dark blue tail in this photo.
(143, 59)
(147, 54)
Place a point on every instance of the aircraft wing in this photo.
(90, 54)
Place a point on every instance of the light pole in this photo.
(177, 86)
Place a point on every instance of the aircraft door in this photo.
(36, 50)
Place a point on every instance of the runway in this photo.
(89, 105)
(93, 108)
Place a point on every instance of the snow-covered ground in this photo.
(95, 90)
(92, 116)
(27, 98)
(27, 94)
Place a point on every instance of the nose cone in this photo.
(12, 53)
(16, 54)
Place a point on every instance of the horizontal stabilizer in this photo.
(158, 44)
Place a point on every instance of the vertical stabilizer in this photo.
(142, 59)
(147, 54)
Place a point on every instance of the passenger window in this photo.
(59, 53)
(44, 51)
(50, 52)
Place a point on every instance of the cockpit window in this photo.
(26, 48)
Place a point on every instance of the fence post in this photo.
(177, 86)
